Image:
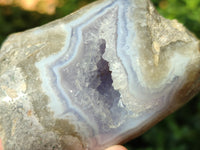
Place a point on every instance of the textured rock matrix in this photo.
(94, 78)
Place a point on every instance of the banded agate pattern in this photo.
(80, 81)
(97, 77)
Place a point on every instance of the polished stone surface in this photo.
(95, 78)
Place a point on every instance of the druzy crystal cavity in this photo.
(95, 78)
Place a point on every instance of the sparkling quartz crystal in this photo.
(97, 77)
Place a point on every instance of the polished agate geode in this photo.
(95, 78)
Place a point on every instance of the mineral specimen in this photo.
(97, 77)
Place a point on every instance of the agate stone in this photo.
(98, 77)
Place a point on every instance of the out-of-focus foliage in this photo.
(13, 19)
(186, 11)
(180, 131)
(41, 6)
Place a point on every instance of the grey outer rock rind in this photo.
(28, 122)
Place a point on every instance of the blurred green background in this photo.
(179, 131)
